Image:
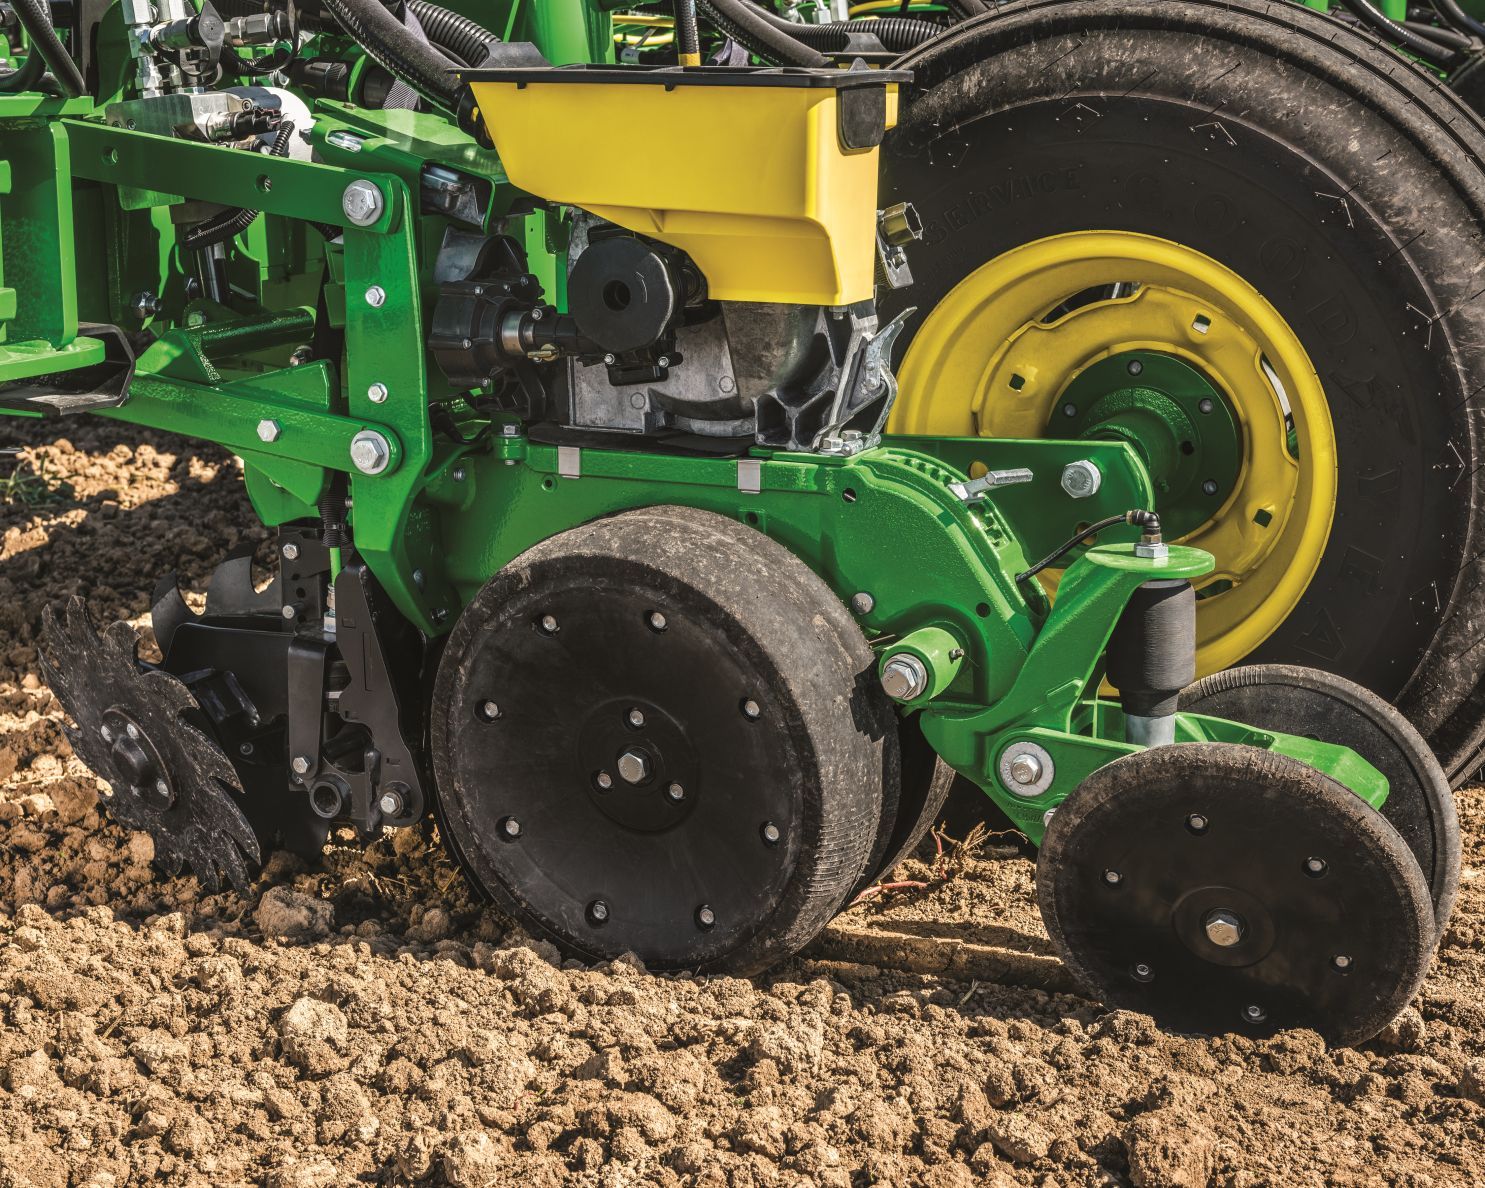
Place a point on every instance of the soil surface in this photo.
(366, 1020)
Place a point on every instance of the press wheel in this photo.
(1225, 888)
(649, 736)
(1315, 704)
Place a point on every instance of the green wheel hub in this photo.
(1182, 425)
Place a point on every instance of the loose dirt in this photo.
(366, 1020)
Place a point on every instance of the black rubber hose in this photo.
(1399, 36)
(231, 223)
(470, 41)
(37, 21)
(24, 77)
(398, 50)
(1440, 34)
(747, 25)
(898, 34)
(1451, 13)
(687, 37)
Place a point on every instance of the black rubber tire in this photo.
(923, 786)
(1051, 116)
(1262, 814)
(1306, 701)
(780, 619)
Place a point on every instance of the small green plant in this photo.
(27, 484)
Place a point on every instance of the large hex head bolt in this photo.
(362, 202)
(904, 677)
(1081, 479)
(370, 452)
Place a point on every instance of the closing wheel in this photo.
(1225, 888)
(1130, 235)
(1314, 704)
(649, 736)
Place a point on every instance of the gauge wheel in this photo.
(1223, 888)
(649, 736)
(1167, 225)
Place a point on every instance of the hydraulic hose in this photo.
(898, 34)
(24, 77)
(231, 223)
(398, 50)
(37, 22)
(687, 37)
(1400, 36)
(1148, 521)
(470, 41)
(747, 24)
(1451, 13)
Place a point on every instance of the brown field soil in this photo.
(366, 1020)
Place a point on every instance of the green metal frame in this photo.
(445, 514)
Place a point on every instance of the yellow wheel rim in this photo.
(991, 361)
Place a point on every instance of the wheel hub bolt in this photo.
(1223, 928)
(1197, 823)
(489, 710)
(549, 624)
(770, 833)
(1341, 961)
(657, 621)
(676, 793)
(1135, 367)
(1026, 769)
(705, 917)
(1205, 404)
(598, 911)
(1142, 972)
(634, 766)
(1254, 1013)
(1315, 867)
(510, 827)
(604, 780)
(636, 717)
(1209, 487)
(1112, 877)
(750, 709)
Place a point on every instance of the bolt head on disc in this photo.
(1230, 924)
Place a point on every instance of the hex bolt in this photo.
(1135, 367)
(300, 765)
(598, 911)
(1205, 404)
(376, 296)
(904, 676)
(770, 833)
(676, 793)
(145, 305)
(634, 766)
(510, 828)
(390, 804)
(1142, 972)
(370, 452)
(1209, 487)
(705, 917)
(1197, 824)
(377, 393)
(1223, 928)
(862, 603)
(362, 202)
(604, 781)
(751, 709)
(269, 431)
(290, 551)
(1026, 769)
(1112, 877)
(1081, 479)
(1254, 1013)
(635, 717)
(489, 710)
(1341, 962)
(1316, 867)
(657, 621)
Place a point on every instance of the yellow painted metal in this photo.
(1271, 532)
(753, 183)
